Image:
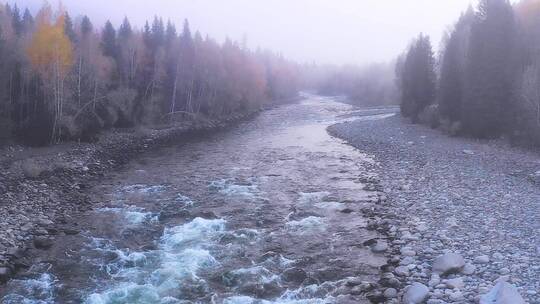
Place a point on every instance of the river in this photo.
(268, 212)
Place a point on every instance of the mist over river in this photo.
(268, 212)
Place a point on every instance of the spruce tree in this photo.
(86, 26)
(451, 83)
(108, 41)
(418, 79)
(489, 72)
(68, 28)
(16, 21)
(27, 21)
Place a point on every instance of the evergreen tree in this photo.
(68, 28)
(170, 33)
(489, 72)
(158, 34)
(126, 53)
(451, 83)
(108, 41)
(27, 21)
(125, 31)
(16, 21)
(186, 61)
(418, 79)
(86, 26)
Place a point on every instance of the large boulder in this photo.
(415, 294)
(448, 263)
(502, 293)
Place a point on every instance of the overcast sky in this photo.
(325, 31)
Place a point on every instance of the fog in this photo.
(338, 31)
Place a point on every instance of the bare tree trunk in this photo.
(173, 101)
(79, 81)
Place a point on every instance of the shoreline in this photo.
(475, 199)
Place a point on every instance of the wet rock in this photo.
(415, 294)
(70, 231)
(402, 271)
(502, 293)
(363, 288)
(43, 242)
(370, 242)
(351, 282)
(448, 263)
(390, 293)
(380, 247)
(390, 282)
(294, 275)
(377, 297)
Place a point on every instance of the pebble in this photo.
(402, 271)
(469, 269)
(448, 263)
(390, 293)
(415, 294)
(483, 259)
(456, 283)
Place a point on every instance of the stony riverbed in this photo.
(479, 200)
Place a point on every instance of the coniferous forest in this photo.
(485, 80)
(68, 79)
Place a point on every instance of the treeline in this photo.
(486, 81)
(364, 86)
(66, 79)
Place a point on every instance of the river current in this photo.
(268, 212)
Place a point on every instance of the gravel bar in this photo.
(477, 199)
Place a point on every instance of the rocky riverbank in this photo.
(465, 214)
(42, 190)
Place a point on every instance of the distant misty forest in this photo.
(65, 78)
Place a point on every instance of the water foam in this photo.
(306, 225)
(158, 276)
(40, 290)
(132, 214)
(228, 187)
(310, 198)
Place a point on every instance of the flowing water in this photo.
(268, 212)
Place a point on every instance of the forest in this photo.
(65, 78)
(485, 80)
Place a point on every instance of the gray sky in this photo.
(325, 31)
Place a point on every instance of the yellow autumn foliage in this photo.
(50, 51)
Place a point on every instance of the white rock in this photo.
(504, 271)
(469, 269)
(434, 281)
(483, 259)
(498, 256)
(456, 283)
(502, 293)
(415, 294)
(408, 252)
(402, 271)
(390, 293)
(380, 247)
(456, 296)
(448, 263)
